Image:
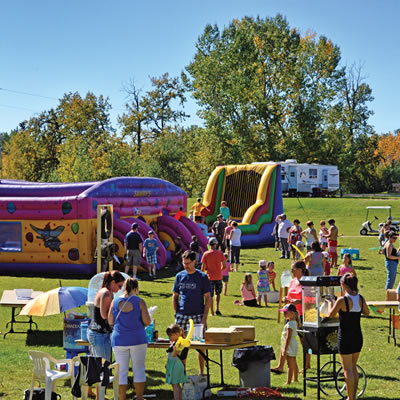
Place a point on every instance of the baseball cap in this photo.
(288, 307)
(283, 215)
(212, 241)
(262, 263)
(134, 225)
(219, 216)
(150, 233)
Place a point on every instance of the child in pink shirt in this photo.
(225, 273)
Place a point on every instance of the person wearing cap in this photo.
(213, 262)
(191, 296)
(133, 244)
(150, 248)
(283, 234)
(289, 344)
(218, 228)
(391, 260)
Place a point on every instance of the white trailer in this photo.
(307, 179)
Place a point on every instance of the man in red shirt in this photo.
(213, 262)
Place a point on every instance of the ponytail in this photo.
(350, 281)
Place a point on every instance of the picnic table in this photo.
(392, 305)
(203, 348)
(10, 299)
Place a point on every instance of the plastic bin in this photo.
(253, 364)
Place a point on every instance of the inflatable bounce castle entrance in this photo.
(254, 197)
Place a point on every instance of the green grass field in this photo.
(380, 360)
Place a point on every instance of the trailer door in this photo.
(292, 177)
(324, 179)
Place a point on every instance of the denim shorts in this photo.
(100, 344)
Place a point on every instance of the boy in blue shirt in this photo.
(150, 247)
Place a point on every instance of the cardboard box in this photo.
(249, 331)
(223, 336)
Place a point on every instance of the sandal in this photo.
(276, 371)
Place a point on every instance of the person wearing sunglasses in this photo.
(99, 331)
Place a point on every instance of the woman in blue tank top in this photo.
(129, 315)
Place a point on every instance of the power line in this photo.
(17, 108)
(27, 94)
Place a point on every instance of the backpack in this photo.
(39, 394)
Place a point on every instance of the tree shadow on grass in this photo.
(44, 338)
(383, 377)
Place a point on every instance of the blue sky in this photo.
(49, 48)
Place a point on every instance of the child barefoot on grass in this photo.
(262, 284)
(289, 343)
(175, 369)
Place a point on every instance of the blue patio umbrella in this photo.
(56, 301)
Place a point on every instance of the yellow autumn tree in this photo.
(388, 148)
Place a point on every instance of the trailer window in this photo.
(292, 174)
(313, 173)
(10, 236)
(283, 177)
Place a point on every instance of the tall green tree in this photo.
(133, 121)
(74, 129)
(147, 116)
(263, 87)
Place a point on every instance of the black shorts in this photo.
(216, 286)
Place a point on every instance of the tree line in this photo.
(265, 92)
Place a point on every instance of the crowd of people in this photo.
(200, 281)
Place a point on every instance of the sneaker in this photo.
(150, 275)
(218, 312)
(135, 277)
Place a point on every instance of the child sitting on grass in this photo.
(248, 292)
(175, 369)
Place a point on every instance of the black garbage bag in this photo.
(243, 357)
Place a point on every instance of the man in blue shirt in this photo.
(191, 297)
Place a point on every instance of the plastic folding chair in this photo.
(42, 371)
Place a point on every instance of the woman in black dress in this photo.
(350, 339)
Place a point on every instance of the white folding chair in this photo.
(42, 371)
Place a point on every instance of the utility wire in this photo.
(27, 94)
(18, 108)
